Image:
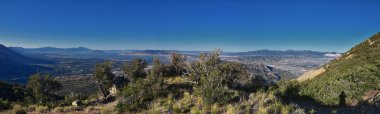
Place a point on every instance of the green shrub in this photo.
(4, 104)
(212, 90)
(213, 78)
(195, 110)
(177, 110)
(135, 69)
(139, 94)
(43, 88)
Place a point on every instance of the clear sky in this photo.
(233, 25)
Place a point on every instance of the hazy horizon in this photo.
(165, 49)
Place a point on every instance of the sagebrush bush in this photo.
(195, 110)
(43, 88)
(138, 95)
(185, 103)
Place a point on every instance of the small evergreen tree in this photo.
(104, 78)
(209, 78)
(158, 69)
(177, 64)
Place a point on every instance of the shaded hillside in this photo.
(354, 73)
(16, 67)
(13, 92)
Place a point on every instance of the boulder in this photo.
(113, 90)
(371, 96)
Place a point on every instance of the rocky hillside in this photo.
(268, 73)
(351, 75)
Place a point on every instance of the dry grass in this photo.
(311, 74)
(18, 109)
(58, 110)
(106, 111)
(42, 109)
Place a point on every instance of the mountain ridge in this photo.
(50, 49)
(16, 67)
(354, 73)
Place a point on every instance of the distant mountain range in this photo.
(16, 67)
(53, 50)
(77, 50)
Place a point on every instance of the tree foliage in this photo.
(43, 87)
(175, 68)
(177, 63)
(104, 78)
(158, 69)
(212, 77)
(135, 69)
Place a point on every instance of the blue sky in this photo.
(233, 25)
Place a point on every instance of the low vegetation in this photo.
(208, 85)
